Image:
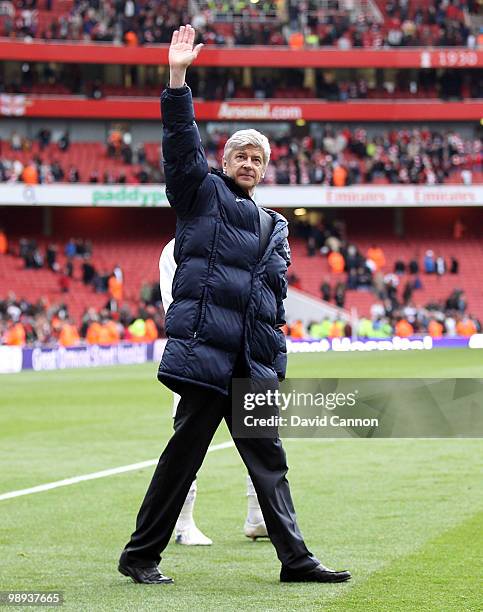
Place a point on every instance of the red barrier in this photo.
(255, 110)
(41, 51)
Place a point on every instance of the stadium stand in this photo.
(137, 257)
(405, 156)
(430, 55)
(340, 23)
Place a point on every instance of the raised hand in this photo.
(181, 51)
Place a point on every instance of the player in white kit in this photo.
(186, 531)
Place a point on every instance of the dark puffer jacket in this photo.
(227, 296)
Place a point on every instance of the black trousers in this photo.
(198, 416)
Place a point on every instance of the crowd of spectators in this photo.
(418, 156)
(349, 157)
(45, 165)
(434, 320)
(41, 323)
(337, 23)
(75, 259)
(394, 311)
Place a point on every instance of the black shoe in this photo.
(317, 574)
(144, 575)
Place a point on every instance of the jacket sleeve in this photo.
(280, 362)
(184, 159)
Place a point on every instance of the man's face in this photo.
(245, 167)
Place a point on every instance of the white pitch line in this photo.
(119, 470)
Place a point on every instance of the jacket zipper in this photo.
(204, 293)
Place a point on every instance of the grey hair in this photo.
(244, 138)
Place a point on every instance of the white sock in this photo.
(254, 512)
(185, 519)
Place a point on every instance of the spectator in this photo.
(15, 141)
(435, 329)
(115, 287)
(429, 263)
(403, 328)
(339, 176)
(73, 175)
(57, 171)
(297, 330)
(407, 293)
(14, 334)
(454, 268)
(146, 293)
(64, 281)
(88, 271)
(376, 254)
(414, 266)
(30, 175)
(70, 248)
(440, 266)
(118, 273)
(44, 136)
(465, 327)
(69, 267)
(93, 332)
(51, 257)
(340, 294)
(64, 142)
(69, 336)
(3, 242)
(336, 262)
(325, 291)
(137, 330)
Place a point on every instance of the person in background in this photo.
(413, 266)
(440, 265)
(88, 271)
(465, 326)
(70, 248)
(339, 295)
(64, 281)
(336, 262)
(93, 332)
(325, 291)
(69, 336)
(403, 328)
(435, 328)
(297, 329)
(115, 288)
(376, 254)
(14, 334)
(429, 264)
(3, 242)
(51, 257)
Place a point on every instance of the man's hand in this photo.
(182, 54)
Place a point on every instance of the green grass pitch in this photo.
(405, 516)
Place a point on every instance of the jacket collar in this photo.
(231, 184)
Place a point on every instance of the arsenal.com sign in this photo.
(265, 111)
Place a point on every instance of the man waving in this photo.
(224, 323)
